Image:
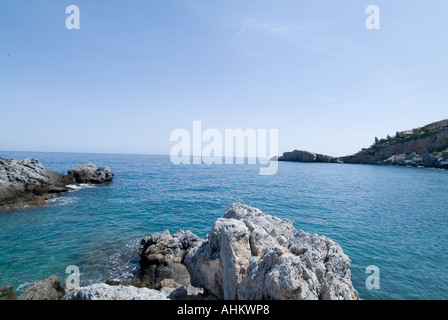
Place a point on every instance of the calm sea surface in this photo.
(395, 218)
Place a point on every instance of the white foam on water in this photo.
(21, 287)
(123, 265)
(80, 186)
(62, 201)
(73, 186)
(85, 185)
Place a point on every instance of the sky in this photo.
(137, 70)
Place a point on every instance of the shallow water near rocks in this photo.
(395, 218)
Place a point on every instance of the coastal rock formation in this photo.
(436, 160)
(90, 173)
(7, 293)
(426, 146)
(421, 147)
(48, 289)
(248, 255)
(102, 291)
(30, 183)
(161, 264)
(251, 255)
(305, 156)
(413, 160)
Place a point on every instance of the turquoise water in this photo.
(393, 217)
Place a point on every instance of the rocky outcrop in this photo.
(436, 160)
(413, 160)
(48, 289)
(421, 147)
(248, 255)
(30, 183)
(305, 156)
(103, 291)
(7, 293)
(251, 255)
(90, 173)
(162, 255)
(426, 146)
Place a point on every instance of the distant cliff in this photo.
(423, 147)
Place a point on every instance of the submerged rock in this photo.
(30, 183)
(104, 291)
(251, 255)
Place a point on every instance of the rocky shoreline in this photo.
(413, 159)
(421, 147)
(248, 255)
(29, 183)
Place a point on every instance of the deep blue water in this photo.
(393, 217)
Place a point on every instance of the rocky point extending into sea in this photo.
(30, 183)
(421, 147)
(248, 255)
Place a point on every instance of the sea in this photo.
(392, 218)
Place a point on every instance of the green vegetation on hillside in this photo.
(410, 135)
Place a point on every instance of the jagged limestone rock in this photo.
(102, 291)
(251, 255)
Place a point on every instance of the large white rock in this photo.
(104, 291)
(251, 255)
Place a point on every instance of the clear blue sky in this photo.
(137, 70)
